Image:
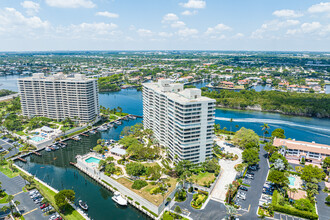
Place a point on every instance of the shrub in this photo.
(139, 184)
(129, 198)
(178, 209)
(137, 203)
(180, 195)
(155, 190)
(145, 208)
(190, 189)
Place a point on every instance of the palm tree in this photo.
(292, 190)
(230, 188)
(265, 127)
(231, 122)
(231, 211)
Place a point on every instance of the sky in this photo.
(261, 25)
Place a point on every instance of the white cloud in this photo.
(187, 12)
(107, 14)
(272, 26)
(178, 24)
(287, 13)
(320, 8)
(97, 28)
(71, 3)
(165, 34)
(170, 17)
(187, 32)
(144, 32)
(31, 7)
(198, 4)
(217, 29)
(238, 36)
(15, 23)
(309, 27)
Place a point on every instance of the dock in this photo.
(84, 134)
(36, 153)
(21, 159)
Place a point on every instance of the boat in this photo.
(110, 125)
(77, 138)
(118, 122)
(92, 132)
(48, 149)
(101, 128)
(118, 199)
(112, 141)
(83, 205)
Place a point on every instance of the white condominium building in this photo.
(182, 120)
(59, 97)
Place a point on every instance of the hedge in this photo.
(129, 198)
(145, 208)
(291, 210)
(110, 185)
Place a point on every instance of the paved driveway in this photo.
(213, 209)
(228, 173)
(322, 208)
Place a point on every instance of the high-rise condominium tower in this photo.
(182, 120)
(59, 97)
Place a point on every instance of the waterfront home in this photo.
(297, 150)
(226, 84)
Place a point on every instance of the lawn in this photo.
(8, 172)
(145, 191)
(21, 133)
(3, 199)
(203, 177)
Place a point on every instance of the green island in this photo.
(289, 103)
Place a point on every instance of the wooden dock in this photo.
(84, 134)
(21, 159)
(36, 153)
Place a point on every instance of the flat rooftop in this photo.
(57, 77)
(176, 92)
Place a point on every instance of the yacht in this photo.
(118, 199)
(48, 149)
(83, 205)
(101, 128)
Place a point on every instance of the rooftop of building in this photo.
(57, 77)
(302, 145)
(176, 91)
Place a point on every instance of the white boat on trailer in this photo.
(118, 199)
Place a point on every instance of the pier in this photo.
(21, 159)
(36, 153)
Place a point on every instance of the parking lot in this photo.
(252, 196)
(6, 145)
(286, 217)
(27, 207)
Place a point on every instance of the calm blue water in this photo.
(259, 88)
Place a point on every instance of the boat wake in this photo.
(273, 121)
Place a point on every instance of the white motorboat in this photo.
(118, 199)
(83, 205)
(101, 128)
(48, 149)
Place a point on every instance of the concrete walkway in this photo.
(228, 172)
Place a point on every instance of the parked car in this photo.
(243, 188)
(44, 206)
(247, 176)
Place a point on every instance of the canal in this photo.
(54, 168)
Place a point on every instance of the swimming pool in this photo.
(92, 160)
(292, 180)
(37, 138)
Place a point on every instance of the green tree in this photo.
(278, 177)
(279, 133)
(303, 204)
(250, 156)
(178, 209)
(311, 172)
(265, 128)
(135, 169)
(63, 197)
(326, 163)
(270, 148)
(245, 136)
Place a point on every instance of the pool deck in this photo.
(297, 182)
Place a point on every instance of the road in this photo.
(4, 98)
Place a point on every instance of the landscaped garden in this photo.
(199, 199)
